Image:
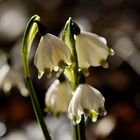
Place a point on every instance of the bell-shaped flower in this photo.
(58, 97)
(50, 53)
(86, 100)
(14, 78)
(91, 50)
(11, 76)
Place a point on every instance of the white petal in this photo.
(43, 58)
(93, 115)
(58, 96)
(74, 109)
(86, 98)
(51, 50)
(60, 50)
(91, 49)
(91, 98)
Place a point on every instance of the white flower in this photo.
(11, 76)
(58, 96)
(14, 78)
(91, 49)
(86, 99)
(50, 52)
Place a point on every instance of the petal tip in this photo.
(93, 115)
(111, 51)
(102, 111)
(104, 63)
(40, 74)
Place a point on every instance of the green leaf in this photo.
(29, 34)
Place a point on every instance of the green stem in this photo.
(29, 35)
(68, 37)
(37, 110)
(82, 128)
(76, 132)
(81, 125)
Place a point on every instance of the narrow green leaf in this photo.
(29, 34)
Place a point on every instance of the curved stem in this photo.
(29, 35)
(37, 110)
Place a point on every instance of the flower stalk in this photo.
(76, 132)
(29, 35)
(70, 30)
(68, 38)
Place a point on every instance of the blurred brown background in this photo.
(116, 20)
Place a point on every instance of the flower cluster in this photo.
(77, 50)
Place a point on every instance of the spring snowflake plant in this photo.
(70, 56)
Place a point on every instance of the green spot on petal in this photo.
(85, 71)
(62, 64)
(47, 72)
(103, 63)
(102, 111)
(48, 109)
(93, 115)
(111, 51)
(76, 119)
(86, 111)
(58, 114)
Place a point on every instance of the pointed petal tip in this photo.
(40, 74)
(102, 39)
(93, 115)
(48, 72)
(111, 51)
(76, 119)
(104, 63)
(102, 111)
